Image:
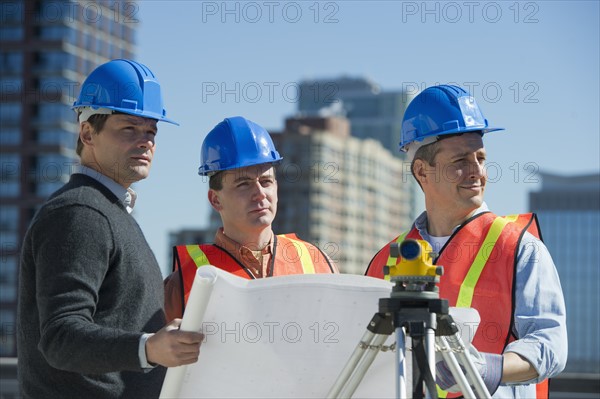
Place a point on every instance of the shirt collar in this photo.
(421, 221)
(126, 195)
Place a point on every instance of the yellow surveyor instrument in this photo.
(416, 259)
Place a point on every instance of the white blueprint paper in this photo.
(281, 337)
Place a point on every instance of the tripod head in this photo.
(415, 272)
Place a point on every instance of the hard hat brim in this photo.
(149, 115)
(210, 172)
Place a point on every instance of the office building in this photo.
(373, 114)
(345, 194)
(568, 208)
(48, 48)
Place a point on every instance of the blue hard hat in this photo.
(236, 143)
(441, 110)
(124, 86)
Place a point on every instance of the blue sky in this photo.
(533, 67)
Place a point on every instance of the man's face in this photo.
(248, 199)
(456, 181)
(123, 149)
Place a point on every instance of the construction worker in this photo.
(497, 265)
(91, 322)
(239, 156)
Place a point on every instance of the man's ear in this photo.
(85, 134)
(420, 170)
(213, 199)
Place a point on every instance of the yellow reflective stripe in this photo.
(307, 264)
(197, 255)
(391, 260)
(467, 288)
(441, 393)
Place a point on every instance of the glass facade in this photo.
(48, 48)
(573, 240)
(568, 210)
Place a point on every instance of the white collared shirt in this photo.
(126, 195)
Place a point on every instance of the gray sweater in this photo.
(89, 286)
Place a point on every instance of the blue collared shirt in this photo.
(539, 316)
(127, 196)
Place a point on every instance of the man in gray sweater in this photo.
(90, 316)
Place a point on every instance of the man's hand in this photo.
(171, 347)
(489, 366)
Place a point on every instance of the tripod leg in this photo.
(363, 366)
(462, 353)
(454, 367)
(430, 350)
(401, 391)
(346, 373)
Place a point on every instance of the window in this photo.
(8, 278)
(8, 331)
(10, 113)
(9, 218)
(10, 165)
(11, 33)
(52, 171)
(58, 32)
(10, 136)
(53, 32)
(55, 60)
(11, 61)
(57, 136)
(45, 189)
(54, 112)
(10, 86)
(54, 168)
(12, 12)
(9, 189)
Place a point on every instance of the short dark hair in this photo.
(97, 121)
(215, 182)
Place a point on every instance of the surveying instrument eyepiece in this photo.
(414, 309)
(415, 272)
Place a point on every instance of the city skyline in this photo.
(533, 68)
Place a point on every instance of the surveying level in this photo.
(415, 309)
(416, 259)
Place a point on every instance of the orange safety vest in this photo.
(290, 256)
(480, 259)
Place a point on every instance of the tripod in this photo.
(414, 309)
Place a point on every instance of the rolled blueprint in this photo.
(192, 321)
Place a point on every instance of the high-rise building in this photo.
(568, 209)
(342, 193)
(48, 47)
(373, 114)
